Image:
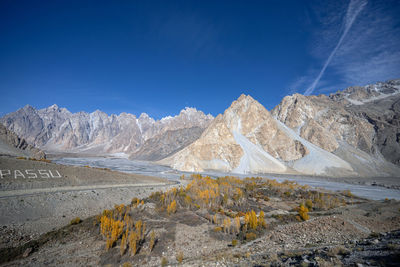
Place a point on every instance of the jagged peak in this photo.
(244, 97)
(244, 101)
(54, 106)
(124, 115)
(28, 107)
(98, 111)
(167, 118)
(144, 115)
(189, 109)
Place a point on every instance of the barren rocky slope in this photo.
(354, 133)
(167, 143)
(228, 144)
(384, 115)
(57, 129)
(359, 124)
(11, 144)
(363, 117)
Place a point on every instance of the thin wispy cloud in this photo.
(356, 46)
(372, 51)
(354, 8)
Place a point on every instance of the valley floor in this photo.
(36, 228)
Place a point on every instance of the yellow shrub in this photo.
(236, 223)
(217, 229)
(120, 209)
(143, 230)
(123, 244)
(347, 193)
(188, 201)
(261, 219)
(234, 242)
(238, 194)
(251, 236)
(75, 221)
(111, 229)
(227, 225)
(133, 242)
(251, 219)
(303, 212)
(164, 261)
(309, 204)
(135, 202)
(171, 207)
(215, 219)
(179, 257)
(117, 228)
(152, 240)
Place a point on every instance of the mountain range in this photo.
(55, 129)
(351, 132)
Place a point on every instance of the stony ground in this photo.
(362, 232)
(31, 207)
(35, 227)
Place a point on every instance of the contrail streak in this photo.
(354, 8)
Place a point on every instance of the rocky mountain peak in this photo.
(242, 102)
(54, 128)
(144, 116)
(125, 115)
(189, 110)
(53, 107)
(27, 108)
(245, 139)
(244, 97)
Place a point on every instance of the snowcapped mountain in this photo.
(359, 95)
(364, 118)
(57, 129)
(316, 135)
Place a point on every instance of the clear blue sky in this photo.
(160, 56)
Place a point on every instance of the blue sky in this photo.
(161, 56)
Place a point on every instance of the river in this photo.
(152, 169)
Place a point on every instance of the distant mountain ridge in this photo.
(57, 129)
